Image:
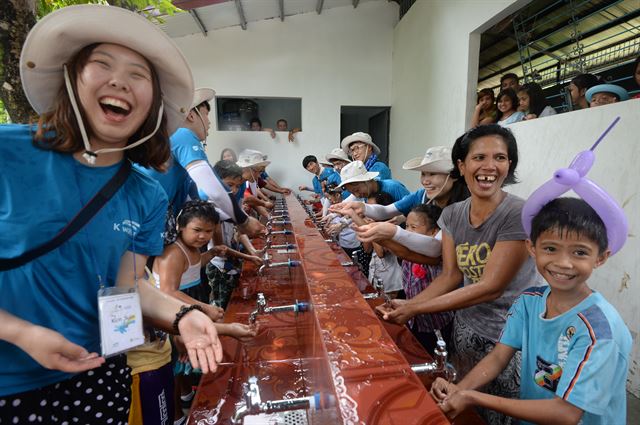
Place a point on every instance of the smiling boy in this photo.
(575, 346)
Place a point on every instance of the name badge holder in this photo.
(120, 319)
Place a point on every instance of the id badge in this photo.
(120, 320)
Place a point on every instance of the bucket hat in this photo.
(358, 137)
(252, 158)
(337, 153)
(609, 88)
(436, 160)
(355, 172)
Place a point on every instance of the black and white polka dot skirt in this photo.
(97, 397)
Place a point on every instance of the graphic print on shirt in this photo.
(547, 374)
(472, 259)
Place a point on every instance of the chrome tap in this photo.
(354, 259)
(279, 232)
(252, 404)
(261, 308)
(439, 366)
(268, 264)
(378, 285)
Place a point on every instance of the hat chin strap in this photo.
(204, 142)
(90, 155)
(440, 191)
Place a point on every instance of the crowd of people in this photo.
(516, 102)
(113, 211)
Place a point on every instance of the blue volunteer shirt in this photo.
(411, 200)
(381, 167)
(328, 175)
(581, 356)
(185, 149)
(40, 192)
(394, 188)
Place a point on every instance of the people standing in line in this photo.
(115, 86)
(361, 148)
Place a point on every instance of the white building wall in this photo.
(341, 57)
(435, 63)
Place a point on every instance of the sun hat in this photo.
(609, 88)
(202, 95)
(57, 37)
(326, 163)
(358, 137)
(355, 172)
(436, 160)
(252, 158)
(338, 154)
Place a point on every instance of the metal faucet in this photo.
(354, 259)
(439, 366)
(261, 308)
(252, 404)
(378, 285)
(268, 264)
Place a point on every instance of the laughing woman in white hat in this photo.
(361, 148)
(105, 80)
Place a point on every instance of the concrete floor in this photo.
(633, 409)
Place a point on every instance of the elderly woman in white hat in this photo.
(338, 159)
(110, 87)
(361, 148)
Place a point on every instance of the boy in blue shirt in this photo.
(320, 174)
(575, 346)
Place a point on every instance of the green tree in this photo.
(16, 19)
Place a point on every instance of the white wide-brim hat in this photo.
(202, 95)
(338, 154)
(358, 137)
(608, 88)
(436, 160)
(252, 158)
(355, 172)
(57, 37)
(326, 163)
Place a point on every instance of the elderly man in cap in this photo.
(361, 148)
(189, 164)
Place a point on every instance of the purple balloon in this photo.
(574, 177)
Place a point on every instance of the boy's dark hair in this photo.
(510, 75)
(308, 160)
(585, 81)
(255, 120)
(570, 215)
(463, 143)
(282, 120)
(383, 198)
(430, 211)
(225, 168)
(537, 100)
(203, 210)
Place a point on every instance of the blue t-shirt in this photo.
(185, 149)
(394, 188)
(581, 356)
(328, 175)
(411, 200)
(381, 167)
(40, 192)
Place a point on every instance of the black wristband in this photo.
(183, 311)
